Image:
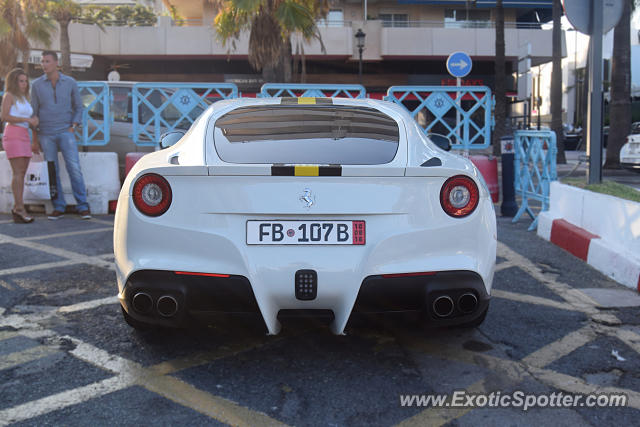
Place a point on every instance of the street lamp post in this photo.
(360, 43)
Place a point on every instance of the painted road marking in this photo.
(75, 257)
(531, 299)
(68, 233)
(61, 400)
(88, 305)
(36, 267)
(560, 348)
(12, 360)
(156, 378)
(172, 388)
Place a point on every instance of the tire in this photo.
(135, 324)
(475, 322)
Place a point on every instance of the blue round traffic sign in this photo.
(459, 64)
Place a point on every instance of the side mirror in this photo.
(170, 138)
(443, 142)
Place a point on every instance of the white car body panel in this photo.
(204, 230)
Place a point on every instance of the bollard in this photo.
(509, 206)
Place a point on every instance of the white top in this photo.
(21, 108)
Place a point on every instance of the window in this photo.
(335, 18)
(121, 105)
(467, 18)
(394, 19)
(320, 134)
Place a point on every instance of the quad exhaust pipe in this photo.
(467, 303)
(166, 306)
(142, 302)
(443, 306)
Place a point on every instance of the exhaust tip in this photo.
(467, 303)
(443, 306)
(167, 306)
(142, 302)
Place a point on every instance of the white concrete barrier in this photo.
(615, 222)
(100, 171)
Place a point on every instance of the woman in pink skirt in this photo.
(17, 115)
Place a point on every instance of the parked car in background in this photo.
(630, 151)
(316, 205)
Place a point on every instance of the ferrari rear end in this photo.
(283, 206)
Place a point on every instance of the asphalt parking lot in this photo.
(67, 357)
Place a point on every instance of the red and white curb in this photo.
(607, 248)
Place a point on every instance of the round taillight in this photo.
(459, 196)
(152, 194)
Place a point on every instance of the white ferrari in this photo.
(304, 206)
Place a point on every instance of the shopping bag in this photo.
(40, 180)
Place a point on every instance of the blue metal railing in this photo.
(162, 107)
(535, 168)
(461, 113)
(96, 115)
(274, 90)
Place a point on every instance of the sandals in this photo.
(20, 218)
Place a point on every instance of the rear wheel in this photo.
(136, 324)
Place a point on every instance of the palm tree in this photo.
(556, 82)
(20, 22)
(63, 12)
(620, 105)
(500, 86)
(271, 24)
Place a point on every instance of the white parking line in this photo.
(12, 360)
(530, 299)
(577, 299)
(61, 400)
(560, 348)
(68, 233)
(36, 267)
(88, 305)
(103, 221)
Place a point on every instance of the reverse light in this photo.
(152, 194)
(459, 196)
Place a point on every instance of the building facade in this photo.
(406, 43)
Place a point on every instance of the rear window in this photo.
(306, 134)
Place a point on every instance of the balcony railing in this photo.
(458, 24)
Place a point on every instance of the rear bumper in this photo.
(380, 294)
(628, 165)
(199, 296)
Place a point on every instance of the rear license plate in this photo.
(305, 232)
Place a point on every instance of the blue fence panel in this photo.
(274, 90)
(163, 107)
(96, 99)
(461, 113)
(535, 168)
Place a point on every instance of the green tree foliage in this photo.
(271, 24)
(66, 11)
(20, 22)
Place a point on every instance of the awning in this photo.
(78, 60)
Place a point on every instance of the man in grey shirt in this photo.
(56, 102)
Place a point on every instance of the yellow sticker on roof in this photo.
(303, 100)
(307, 170)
